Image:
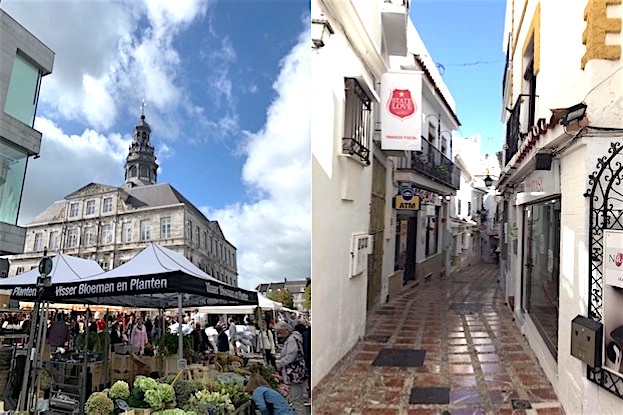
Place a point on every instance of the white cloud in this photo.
(273, 233)
(69, 162)
(107, 61)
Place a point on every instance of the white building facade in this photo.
(365, 247)
(560, 186)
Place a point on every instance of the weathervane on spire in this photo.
(143, 105)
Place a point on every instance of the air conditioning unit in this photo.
(361, 247)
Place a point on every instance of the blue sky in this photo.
(459, 32)
(226, 85)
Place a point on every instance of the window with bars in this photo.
(357, 112)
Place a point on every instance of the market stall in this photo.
(156, 278)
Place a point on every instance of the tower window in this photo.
(133, 171)
(144, 172)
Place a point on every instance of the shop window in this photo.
(358, 105)
(541, 269)
(23, 92)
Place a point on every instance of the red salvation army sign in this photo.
(401, 115)
(613, 258)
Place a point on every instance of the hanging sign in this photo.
(401, 111)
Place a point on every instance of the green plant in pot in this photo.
(96, 342)
(168, 344)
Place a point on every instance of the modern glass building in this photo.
(24, 60)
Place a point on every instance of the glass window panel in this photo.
(12, 172)
(542, 273)
(23, 93)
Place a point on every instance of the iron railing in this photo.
(432, 163)
(513, 131)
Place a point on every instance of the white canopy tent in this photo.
(264, 303)
(65, 269)
(156, 277)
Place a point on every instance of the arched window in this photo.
(133, 171)
(144, 171)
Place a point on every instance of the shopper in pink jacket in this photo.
(138, 337)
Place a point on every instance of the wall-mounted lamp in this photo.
(573, 113)
(488, 181)
(320, 32)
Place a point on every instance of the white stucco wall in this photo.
(561, 83)
(341, 190)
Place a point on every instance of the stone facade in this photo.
(111, 225)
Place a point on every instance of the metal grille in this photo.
(606, 211)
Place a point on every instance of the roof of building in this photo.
(292, 286)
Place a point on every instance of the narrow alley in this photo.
(456, 350)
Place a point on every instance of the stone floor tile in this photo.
(481, 357)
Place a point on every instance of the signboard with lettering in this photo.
(613, 258)
(406, 200)
(156, 289)
(401, 114)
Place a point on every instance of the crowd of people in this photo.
(290, 336)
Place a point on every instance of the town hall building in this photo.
(111, 224)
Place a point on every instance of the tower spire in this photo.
(140, 166)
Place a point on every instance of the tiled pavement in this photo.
(481, 357)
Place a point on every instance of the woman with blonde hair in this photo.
(267, 400)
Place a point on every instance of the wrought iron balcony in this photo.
(514, 135)
(432, 163)
(353, 147)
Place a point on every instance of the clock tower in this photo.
(140, 165)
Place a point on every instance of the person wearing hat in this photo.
(292, 367)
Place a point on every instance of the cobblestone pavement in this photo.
(475, 355)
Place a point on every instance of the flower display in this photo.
(119, 390)
(99, 404)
